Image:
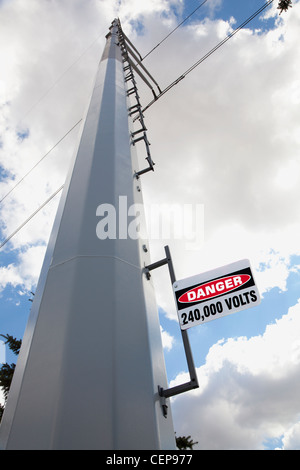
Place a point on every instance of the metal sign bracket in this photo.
(193, 383)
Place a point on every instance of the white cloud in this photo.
(2, 400)
(2, 360)
(291, 438)
(2, 352)
(132, 9)
(248, 392)
(167, 339)
(270, 255)
(25, 271)
(9, 275)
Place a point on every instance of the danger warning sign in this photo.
(216, 293)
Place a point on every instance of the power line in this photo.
(208, 54)
(29, 218)
(75, 125)
(49, 151)
(60, 77)
(173, 31)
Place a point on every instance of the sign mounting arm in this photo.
(193, 383)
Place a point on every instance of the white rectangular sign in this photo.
(215, 293)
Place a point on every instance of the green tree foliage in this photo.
(6, 375)
(284, 5)
(184, 443)
(13, 343)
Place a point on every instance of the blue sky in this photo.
(231, 143)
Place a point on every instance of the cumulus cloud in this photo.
(25, 271)
(2, 399)
(291, 438)
(167, 339)
(270, 255)
(238, 143)
(2, 360)
(136, 9)
(249, 389)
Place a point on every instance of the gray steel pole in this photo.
(91, 362)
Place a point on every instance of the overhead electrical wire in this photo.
(49, 151)
(47, 201)
(173, 31)
(29, 218)
(29, 111)
(208, 54)
(57, 143)
(61, 76)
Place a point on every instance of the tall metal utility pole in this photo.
(91, 363)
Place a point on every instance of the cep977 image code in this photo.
(175, 459)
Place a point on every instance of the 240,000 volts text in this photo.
(213, 308)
